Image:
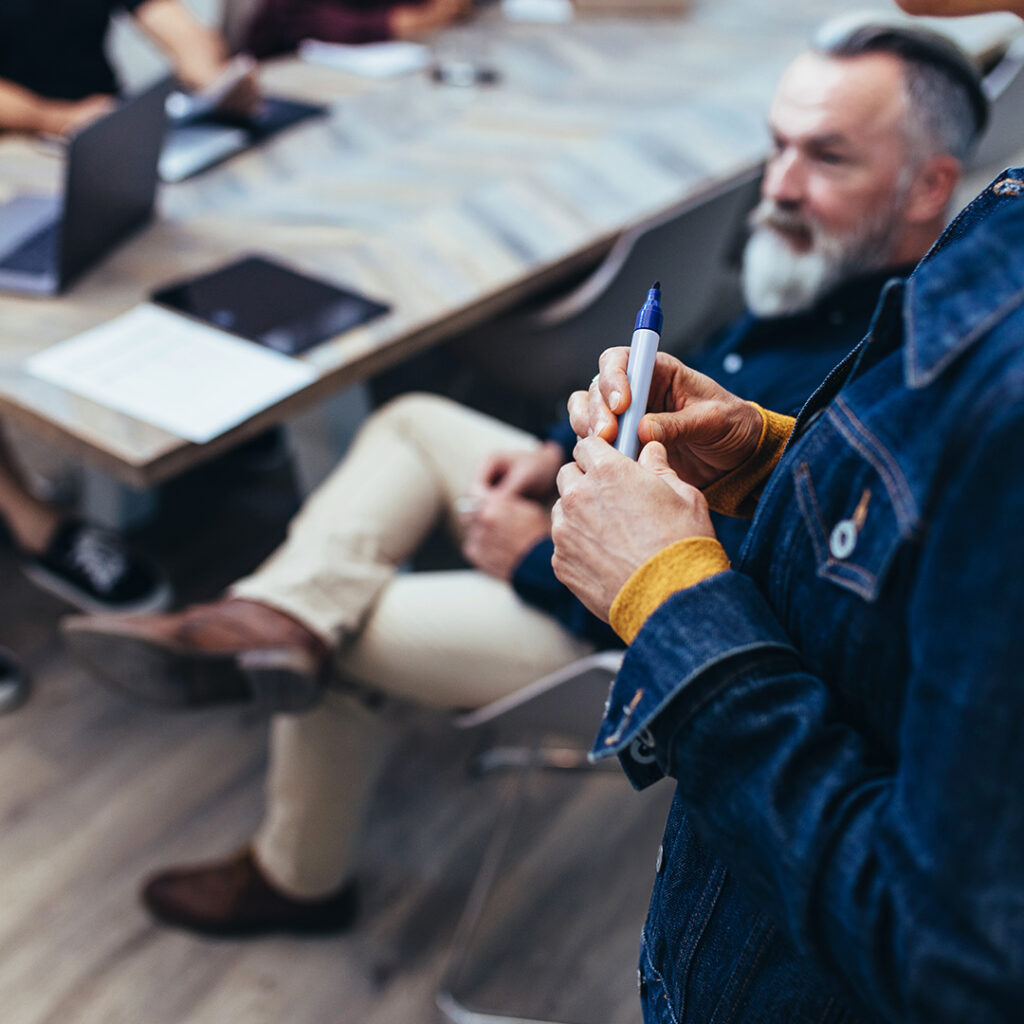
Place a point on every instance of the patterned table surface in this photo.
(450, 204)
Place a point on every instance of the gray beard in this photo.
(779, 281)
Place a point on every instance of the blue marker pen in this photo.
(642, 351)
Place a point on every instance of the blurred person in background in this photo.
(280, 25)
(55, 77)
(91, 568)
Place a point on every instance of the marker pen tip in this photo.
(657, 284)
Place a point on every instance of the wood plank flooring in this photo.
(96, 792)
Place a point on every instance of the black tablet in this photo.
(271, 304)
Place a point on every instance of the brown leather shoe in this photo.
(230, 651)
(233, 898)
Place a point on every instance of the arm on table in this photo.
(25, 111)
(198, 53)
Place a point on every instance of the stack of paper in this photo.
(161, 368)
(372, 60)
(553, 11)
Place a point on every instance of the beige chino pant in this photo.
(441, 639)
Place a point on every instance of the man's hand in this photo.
(199, 53)
(614, 514)
(706, 430)
(501, 530)
(67, 118)
(529, 474)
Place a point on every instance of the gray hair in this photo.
(946, 106)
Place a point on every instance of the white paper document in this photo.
(161, 368)
(553, 11)
(372, 60)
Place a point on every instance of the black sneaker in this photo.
(13, 682)
(94, 570)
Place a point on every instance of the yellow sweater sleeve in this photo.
(736, 493)
(689, 561)
(676, 567)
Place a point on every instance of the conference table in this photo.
(450, 204)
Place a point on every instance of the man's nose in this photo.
(784, 180)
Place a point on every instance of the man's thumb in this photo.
(654, 457)
(665, 427)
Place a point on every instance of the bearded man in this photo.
(866, 156)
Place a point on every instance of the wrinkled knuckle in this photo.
(570, 502)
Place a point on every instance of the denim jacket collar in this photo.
(975, 283)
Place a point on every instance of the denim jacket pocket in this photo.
(853, 522)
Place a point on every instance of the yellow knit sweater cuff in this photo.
(675, 568)
(737, 492)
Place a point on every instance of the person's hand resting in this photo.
(614, 514)
(501, 529)
(706, 430)
(60, 117)
(530, 474)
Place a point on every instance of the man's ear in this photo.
(932, 189)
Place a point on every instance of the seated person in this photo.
(856, 188)
(89, 567)
(54, 74)
(280, 25)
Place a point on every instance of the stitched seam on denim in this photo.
(908, 306)
(761, 645)
(888, 469)
(834, 1012)
(992, 320)
(717, 881)
(735, 674)
(805, 497)
(747, 956)
(693, 918)
(661, 981)
(804, 490)
(771, 484)
(762, 946)
(727, 681)
(941, 242)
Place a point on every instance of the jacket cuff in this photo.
(736, 493)
(678, 566)
(685, 642)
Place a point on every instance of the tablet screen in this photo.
(270, 304)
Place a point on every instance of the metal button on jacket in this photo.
(732, 363)
(843, 539)
(642, 747)
(1009, 187)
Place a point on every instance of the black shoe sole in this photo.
(151, 672)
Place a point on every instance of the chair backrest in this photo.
(235, 18)
(1004, 85)
(691, 248)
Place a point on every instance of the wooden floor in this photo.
(96, 792)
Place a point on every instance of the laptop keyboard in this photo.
(36, 255)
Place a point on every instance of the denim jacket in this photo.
(843, 711)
